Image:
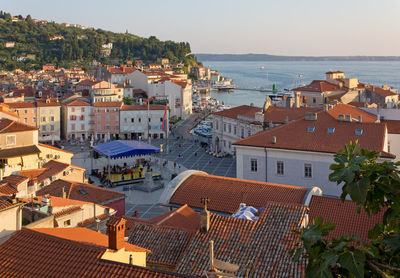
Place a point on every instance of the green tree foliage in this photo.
(374, 187)
(80, 46)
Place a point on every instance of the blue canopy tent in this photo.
(121, 148)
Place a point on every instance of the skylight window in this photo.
(82, 191)
(330, 130)
(358, 132)
(310, 128)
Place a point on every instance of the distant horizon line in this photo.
(277, 55)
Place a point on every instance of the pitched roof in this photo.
(8, 126)
(19, 105)
(74, 190)
(392, 126)
(226, 194)
(29, 253)
(319, 86)
(344, 215)
(49, 169)
(266, 242)
(381, 91)
(9, 184)
(85, 235)
(279, 114)
(108, 104)
(319, 140)
(85, 82)
(47, 102)
(244, 110)
(183, 218)
(166, 243)
(142, 107)
(19, 151)
(66, 211)
(77, 102)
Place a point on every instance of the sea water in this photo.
(287, 75)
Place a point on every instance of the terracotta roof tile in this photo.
(344, 215)
(6, 203)
(392, 126)
(226, 194)
(77, 102)
(320, 140)
(8, 126)
(319, 86)
(92, 220)
(19, 151)
(166, 244)
(279, 114)
(244, 110)
(9, 184)
(67, 211)
(266, 242)
(74, 190)
(30, 253)
(381, 91)
(19, 105)
(49, 169)
(85, 235)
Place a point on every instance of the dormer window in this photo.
(358, 132)
(330, 130)
(310, 128)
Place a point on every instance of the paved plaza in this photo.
(184, 153)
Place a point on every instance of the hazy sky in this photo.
(283, 27)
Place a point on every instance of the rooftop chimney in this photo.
(64, 194)
(205, 216)
(116, 233)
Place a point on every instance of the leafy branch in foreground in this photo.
(374, 187)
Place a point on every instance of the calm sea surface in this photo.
(283, 74)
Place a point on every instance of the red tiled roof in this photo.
(85, 82)
(381, 91)
(319, 140)
(166, 243)
(344, 215)
(77, 102)
(108, 104)
(93, 194)
(67, 211)
(226, 194)
(265, 242)
(85, 235)
(30, 253)
(244, 110)
(279, 114)
(49, 169)
(392, 126)
(346, 109)
(9, 184)
(8, 126)
(142, 107)
(319, 86)
(18, 105)
(19, 151)
(92, 220)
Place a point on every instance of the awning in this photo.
(120, 148)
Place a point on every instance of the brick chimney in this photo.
(116, 233)
(205, 216)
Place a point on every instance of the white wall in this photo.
(394, 142)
